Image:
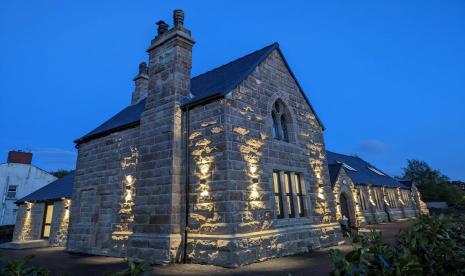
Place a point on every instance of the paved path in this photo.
(313, 263)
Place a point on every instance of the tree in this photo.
(433, 185)
(60, 173)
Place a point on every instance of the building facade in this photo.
(226, 168)
(366, 195)
(18, 178)
(242, 141)
(43, 216)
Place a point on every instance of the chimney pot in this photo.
(178, 17)
(162, 27)
(143, 68)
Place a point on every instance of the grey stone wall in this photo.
(101, 208)
(29, 223)
(344, 184)
(159, 209)
(234, 222)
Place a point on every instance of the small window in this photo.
(280, 129)
(289, 197)
(346, 166)
(376, 171)
(11, 194)
(274, 131)
(277, 195)
(284, 127)
(299, 193)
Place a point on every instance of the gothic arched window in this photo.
(280, 130)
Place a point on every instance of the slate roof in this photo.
(127, 117)
(215, 83)
(62, 187)
(333, 172)
(363, 175)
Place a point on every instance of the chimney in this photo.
(161, 153)
(141, 84)
(19, 157)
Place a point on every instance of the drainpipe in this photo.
(186, 184)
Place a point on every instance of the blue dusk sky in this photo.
(387, 78)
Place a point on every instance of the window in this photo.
(274, 131)
(378, 201)
(346, 166)
(361, 196)
(300, 195)
(280, 130)
(376, 171)
(11, 194)
(289, 199)
(47, 221)
(289, 196)
(277, 195)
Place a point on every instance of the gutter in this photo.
(186, 107)
(186, 185)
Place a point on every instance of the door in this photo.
(345, 207)
(47, 226)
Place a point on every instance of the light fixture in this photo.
(204, 168)
(254, 194)
(129, 179)
(204, 193)
(128, 196)
(253, 168)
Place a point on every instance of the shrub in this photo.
(434, 245)
(134, 269)
(20, 268)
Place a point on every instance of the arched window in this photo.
(280, 130)
(274, 131)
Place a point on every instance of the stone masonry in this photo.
(29, 224)
(129, 195)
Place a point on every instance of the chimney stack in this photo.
(141, 84)
(158, 220)
(19, 157)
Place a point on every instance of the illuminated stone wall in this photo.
(377, 209)
(344, 184)
(232, 219)
(60, 222)
(100, 216)
(29, 222)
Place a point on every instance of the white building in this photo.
(18, 178)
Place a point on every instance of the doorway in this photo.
(345, 207)
(47, 225)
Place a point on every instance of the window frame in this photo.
(279, 210)
(299, 194)
(281, 125)
(289, 195)
(8, 192)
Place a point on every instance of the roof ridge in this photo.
(273, 45)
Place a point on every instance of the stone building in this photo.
(18, 178)
(226, 168)
(242, 141)
(43, 216)
(365, 194)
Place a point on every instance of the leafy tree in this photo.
(60, 173)
(433, 185)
